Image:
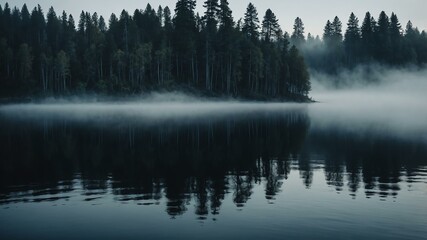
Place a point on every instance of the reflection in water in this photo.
(202, 162)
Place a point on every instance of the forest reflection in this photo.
(204, 162)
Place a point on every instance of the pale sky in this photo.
(314, 13)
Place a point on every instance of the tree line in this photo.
(149, 50)
(381, 40)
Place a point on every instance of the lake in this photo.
(352, 166)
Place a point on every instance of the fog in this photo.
(380, 101)
(146, 111)
(374, 100)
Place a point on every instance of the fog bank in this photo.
(391, 103)
(380, 100)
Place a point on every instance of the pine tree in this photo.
(53, 30)
(337, 30)
(101, 25)
(25, 24)
(298, 38)
(411, 54)
(211, 14)
(352, 39)
(184, 40)
(252, 54)
(328, 33)
(225, 16)
(211, 22)
(383, 49)
(332, 38)
(229, 55)
(270, 27)
(396, 44)
(251, 23)
(299, 76)
(368, 37)
(167, 19)
(38, 26)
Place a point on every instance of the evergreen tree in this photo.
(270, 27)
(167, 19)
(368, 37)
(299, 82)
(251, 23)
(184, 40)
(252, 54)
(411, 36)
(298, 38)
(211, 22)
(383, 49)
(337, 30)
(25, 24)
(225, 16)
(352, 40)
(228, 45)
(271, 35)
(159, 15)
(53, 30)
(328, 33)
(396, 44)
(211, 15)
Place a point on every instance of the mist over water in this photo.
(145, 112)
(187, 164)
(373, 101)
(391, 102)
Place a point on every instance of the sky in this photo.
(313, 13)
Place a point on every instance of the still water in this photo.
(210, 170)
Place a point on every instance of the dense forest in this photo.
(149, 50)
(155, 50)
(381, 41)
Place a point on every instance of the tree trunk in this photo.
(207, 66)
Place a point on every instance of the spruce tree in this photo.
(299, 77)
(382, 39)
(352, 40)
(270, 27)
(337, 30)
(225, 16)
(229, 54)
(298, 38)
(25, 24)
(251, 23)
(211, 22)
(396, 43)
(328, 33)
(184, 40)
(368, 37)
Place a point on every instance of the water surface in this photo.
(194, 169)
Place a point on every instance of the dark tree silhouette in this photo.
(211, 54)
(298, 37)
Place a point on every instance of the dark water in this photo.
(245, 172)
